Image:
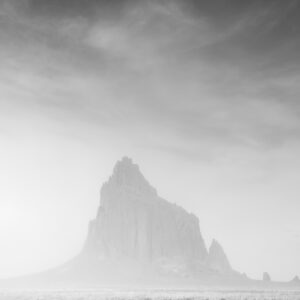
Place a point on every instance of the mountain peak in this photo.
(125, 165)
(127, 174)
(126, 161)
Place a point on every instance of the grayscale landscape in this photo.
(154, 294)
(149, 150)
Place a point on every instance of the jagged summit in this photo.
(128, 175)
(126, 168)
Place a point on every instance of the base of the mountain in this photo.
(85, 273)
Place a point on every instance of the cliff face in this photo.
(133, 222)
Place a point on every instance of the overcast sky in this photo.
(203, 95)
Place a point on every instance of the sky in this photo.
(203, 95)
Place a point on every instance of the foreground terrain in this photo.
(109, 294)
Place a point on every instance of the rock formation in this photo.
(266, 277)
(217, 259)
(295, 280)
(138, 238)
(134, 223)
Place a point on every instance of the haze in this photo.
(203, 95)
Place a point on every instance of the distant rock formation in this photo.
(266, 277)
(295, 280)
(217, 259)
(134, 223)
(139, 239)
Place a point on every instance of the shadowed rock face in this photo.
(133, 222)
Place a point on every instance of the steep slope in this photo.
(134, 223)
(217, 259)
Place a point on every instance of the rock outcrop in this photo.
(296, 280)
(217, 259)
(266, 277)
(134, 223)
